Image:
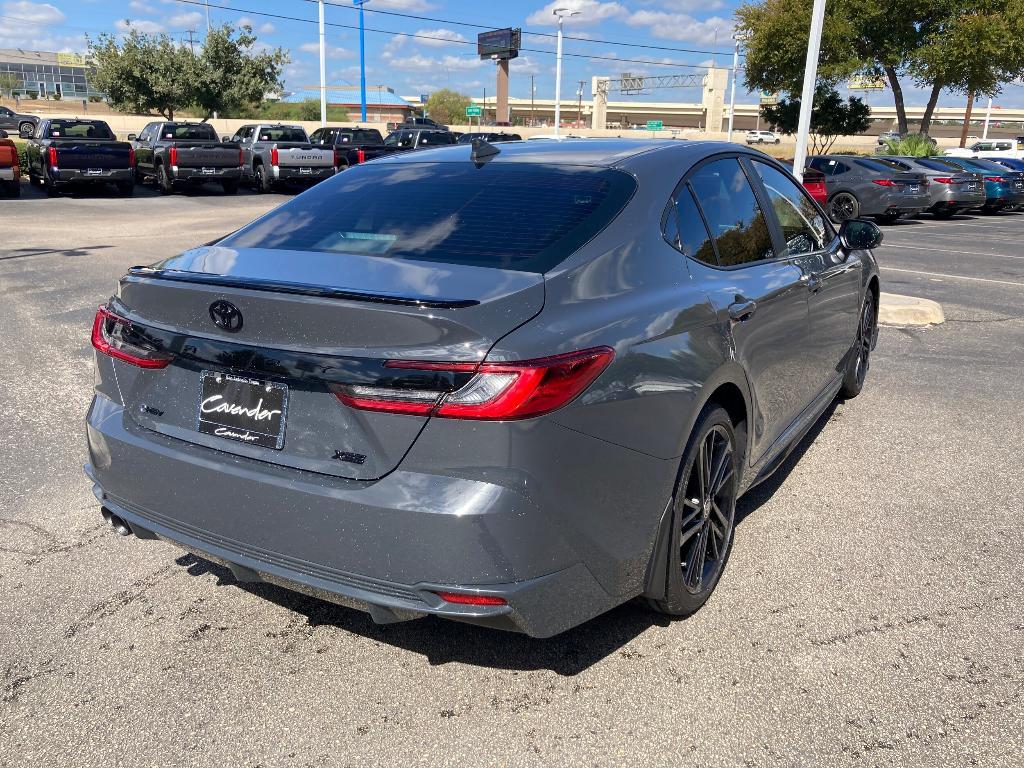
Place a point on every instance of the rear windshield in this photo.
(79, 129)
(188, 132)
(938, 165)
(328, 137)
(506, 215)
(987, 165)
(282, 134)
(885, 166)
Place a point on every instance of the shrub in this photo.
(911, 145)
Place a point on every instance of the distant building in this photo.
(383, 105)
(47, 74)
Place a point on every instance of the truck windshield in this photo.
(268, 133)
(188, 132)
(79, 129)
(515, 216)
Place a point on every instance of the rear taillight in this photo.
(172, 155)
(943, 180)
(53, 157)
(113, 335)
(241, 157)
(273, 155)
(994, 178)
(884, 182)
(466, 598)
(360, 155)
(493, 391)
(337, 158)
(131, 157)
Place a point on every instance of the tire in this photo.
(261, 181)
(777, 141)
(701, 532)
(843, 206)
(859, 360)
(887, 218)
(230, 187)
(163, 180)
(125, 188)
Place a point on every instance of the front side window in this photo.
(736, 221)
(803, 226)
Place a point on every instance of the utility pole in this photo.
(807, 95)
(323, 69)
(579, 103)
(561, 13)
(362, 60)
(191, 43)
(732, 92)
(533, 93)
(988, 117)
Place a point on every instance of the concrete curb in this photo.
(894, 309)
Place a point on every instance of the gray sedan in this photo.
(950, 187)
(863, 186)
(385, 395)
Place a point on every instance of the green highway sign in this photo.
(473, 111)
(655, 125)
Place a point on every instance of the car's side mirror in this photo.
(3, 134)
(860, 234)
(132, 137)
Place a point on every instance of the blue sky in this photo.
(419, 55)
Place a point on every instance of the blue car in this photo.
(1003, 188)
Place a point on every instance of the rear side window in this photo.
(686, 230)
(736, 221)
(828, 166)
(435, 138)
(445, 212)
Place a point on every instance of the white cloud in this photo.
(261, 29)
(436, 38)
(142, 25)
(417, 62)
(35, 13)
(590, 12)
(189, 20)
(141, 7)
(333, 51)
(682, 26)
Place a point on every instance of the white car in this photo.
(988, 148)
(762, 137)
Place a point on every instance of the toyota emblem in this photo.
(226, 316)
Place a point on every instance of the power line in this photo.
(435, 39)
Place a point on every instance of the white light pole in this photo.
(560, 13)
(735, 70)
(988, 116)
(323, 69)
(807, 96)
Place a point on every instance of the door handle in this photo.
(742, 309)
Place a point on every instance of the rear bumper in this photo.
(105, 176)
(8, 174)
(196, 175)
(384, 546)
(286, 174)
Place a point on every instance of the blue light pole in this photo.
(362, 59)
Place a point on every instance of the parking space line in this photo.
(947, 250)
(952, 277)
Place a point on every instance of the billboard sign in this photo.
(499, 43)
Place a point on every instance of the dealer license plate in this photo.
(243, 409)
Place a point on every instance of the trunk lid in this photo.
(295, 154)
(310, 321)
(82, 154)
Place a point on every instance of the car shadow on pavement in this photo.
(442, 642)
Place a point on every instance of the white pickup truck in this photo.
(990, 148)
(281, 154)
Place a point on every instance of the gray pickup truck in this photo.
(282, 155)
(180, 154)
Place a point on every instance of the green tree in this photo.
(447, 106)
(309, 109)
(831, 117)
(8, 82)
(232, 72)
(144, 73)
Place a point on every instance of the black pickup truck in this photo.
(179, 154)
(351, 145)
(67, 152)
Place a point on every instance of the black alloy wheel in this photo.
(843, 206)
(703, 517)
(860, 356)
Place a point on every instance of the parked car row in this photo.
(175, 155)
(889, 188)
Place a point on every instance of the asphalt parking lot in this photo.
(872, 612)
